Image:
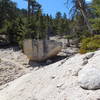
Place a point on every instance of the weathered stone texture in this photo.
(38, 50)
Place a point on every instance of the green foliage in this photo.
(90, 44)
(95, 20)
(69, 37)
(17, 26)
(96, 7)
(61, 24)
(95, 23)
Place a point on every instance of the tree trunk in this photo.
(85, 17)
(32, 10)
(29, 9)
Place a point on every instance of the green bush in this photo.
(90, 44)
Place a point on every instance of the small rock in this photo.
(25, 63)
(89, 56)
(52, 77)
(89, 78)
(27, 66)
(36, 68)
(60, 85)
(48, 61)
(85, 62)
(76, 72)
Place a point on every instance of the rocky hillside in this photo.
(76, 78)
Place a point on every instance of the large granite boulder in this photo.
(39, 50)
(89, 78)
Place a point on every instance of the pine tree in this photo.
(95, 20)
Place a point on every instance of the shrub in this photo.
(90, 44)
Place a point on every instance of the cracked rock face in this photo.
(89, 78)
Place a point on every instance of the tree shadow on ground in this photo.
(15, 47)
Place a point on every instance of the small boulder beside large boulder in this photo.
(89, 78)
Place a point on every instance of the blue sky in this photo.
(49, 6)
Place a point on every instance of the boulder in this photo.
(39, 50)
(89, 78)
